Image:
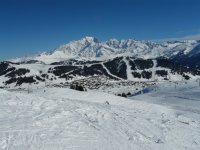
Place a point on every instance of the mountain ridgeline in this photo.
(117, 60)
(185, 52)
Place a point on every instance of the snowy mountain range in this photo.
(90, 48)
(94, 61)
(111, 95)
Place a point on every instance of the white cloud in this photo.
(188, 37)
(192, 37)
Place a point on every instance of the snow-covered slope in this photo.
(39, 111)
(92, 74)
(90, 48)
(61, 118)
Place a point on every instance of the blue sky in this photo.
(29, 26)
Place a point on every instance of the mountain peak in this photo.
(89, 48)
(90, 39)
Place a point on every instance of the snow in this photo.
(182, 96)
(110, 72)
(35, 69)
(90, 48)
(128, 70)
(154, 69)
(60, 118)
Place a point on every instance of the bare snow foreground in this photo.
(61, 119)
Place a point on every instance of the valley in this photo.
(111, 95)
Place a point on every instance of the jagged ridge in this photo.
(90, 48)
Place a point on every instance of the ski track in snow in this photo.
(68, 119)
(110, 72)
(128, 70)
(154, 69)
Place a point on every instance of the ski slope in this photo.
(60, 119)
